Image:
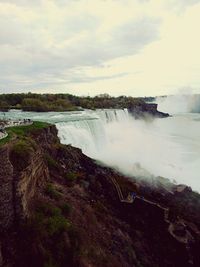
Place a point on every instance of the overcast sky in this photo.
(120, 47)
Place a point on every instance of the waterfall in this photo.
(167, 147)
(108, 116)
(89, 133)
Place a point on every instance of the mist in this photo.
(142, 148)
(179, 103)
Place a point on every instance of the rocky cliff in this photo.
(147, 109)
(60, 208)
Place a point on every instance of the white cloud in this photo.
(92, 46)
(183, 3)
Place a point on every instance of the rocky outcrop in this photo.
(147, 109)
(31, 180)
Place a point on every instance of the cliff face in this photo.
(60, 208)
(18, 185)
(6, 190)
(147, 109)
(33, 178)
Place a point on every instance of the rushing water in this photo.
(167, 147)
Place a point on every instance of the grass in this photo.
(22, 131)
(48, 220)
(46, 230)
(5, 140)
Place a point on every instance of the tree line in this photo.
(64, 102)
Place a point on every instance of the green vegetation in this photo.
(21, 149)
(49, 229)
(71, 176)
(22, 131)
(57, 224)
(48, 220)
(5, 140)
(52, 163)
(48, 209)
(64, 102)
(52, 192)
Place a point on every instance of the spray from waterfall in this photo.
(138, 147)
(179, 104)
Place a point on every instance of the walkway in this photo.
(3, 135)
(132, 196)
(186, 238)
(128, 199)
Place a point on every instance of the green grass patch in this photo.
(5, 140)
(22, 131)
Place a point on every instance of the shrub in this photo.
(52, 192)
(57, 224)
(46, 230)
(48, 220)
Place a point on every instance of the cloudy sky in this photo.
(120, 47)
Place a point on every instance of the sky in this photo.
(90, 47)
